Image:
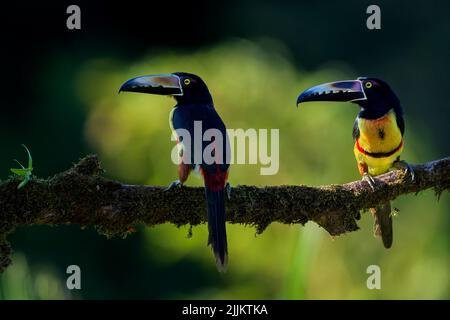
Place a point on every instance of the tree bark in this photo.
(81, 195)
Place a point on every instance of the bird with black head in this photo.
(195, 106)
(377, 132)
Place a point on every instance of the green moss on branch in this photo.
(81, 195)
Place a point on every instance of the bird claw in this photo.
(370, 180)
(402, 164)
(176, 183)
(228, 190)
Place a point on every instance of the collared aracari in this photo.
(378, 134)
(194, 104)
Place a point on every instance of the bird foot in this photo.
(402, 164)
(228, 190)
(176, 183)
(370, 180)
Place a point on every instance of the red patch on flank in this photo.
(216, 181)
(362, 168)
(183, 171)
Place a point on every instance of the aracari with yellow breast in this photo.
(378, 133)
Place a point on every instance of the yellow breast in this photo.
(380, 135)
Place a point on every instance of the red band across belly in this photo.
(378, 154)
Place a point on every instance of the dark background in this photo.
(414, 35)
(412, 51)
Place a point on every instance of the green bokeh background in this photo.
(261, 57)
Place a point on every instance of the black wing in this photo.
(183, 117)
(355, 130)
(400, 122)
(182, 120)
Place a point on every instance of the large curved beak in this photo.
(349, 90)
(163, 84)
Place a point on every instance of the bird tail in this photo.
(217, 237)
(383, 223)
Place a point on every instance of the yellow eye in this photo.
(368, 85)
(187, 81)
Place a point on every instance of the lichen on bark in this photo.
(82, 196)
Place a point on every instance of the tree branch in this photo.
(82, 196)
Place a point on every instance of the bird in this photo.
(195, 114)
(377, 133)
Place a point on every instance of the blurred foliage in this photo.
(255, 86)
(74, 108)
(20, 283)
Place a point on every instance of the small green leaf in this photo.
(19, 172)
(25, 173)
(19, 163)
(30, 159)
(24, 182)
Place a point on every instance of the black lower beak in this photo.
(350, 90)
(163, 84)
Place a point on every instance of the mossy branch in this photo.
(81, 195)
